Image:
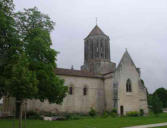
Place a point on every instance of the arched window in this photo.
(128, 86)
(92, 50)
(85, 91)
(70, 90)
(101, 48)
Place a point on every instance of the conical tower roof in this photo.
(96, 31)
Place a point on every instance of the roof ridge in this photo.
(71, 72)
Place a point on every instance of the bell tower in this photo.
(97, 52)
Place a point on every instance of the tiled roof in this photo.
(79, 73)
(96, 31)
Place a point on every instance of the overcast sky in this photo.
(138, 25)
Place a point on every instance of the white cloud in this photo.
(139, 25)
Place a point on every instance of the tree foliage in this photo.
(32, 19)
(156, 105)
(27, 61)
(10, 45)
(162, 95)
(20, 81)
(35, 31)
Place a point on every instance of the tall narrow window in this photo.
(128, 86)
(101, 49)
(97, 51)
(70, 90)
(92, 49)
(85, 91)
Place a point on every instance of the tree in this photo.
(8, 35)
(35, 33)
(150, 97)
(9, 42)
(156, 105)
(16, 80)
(162, 94)
(34, 30)
(21, 83)
(27, 62)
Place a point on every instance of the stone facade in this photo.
(99, 84)
(76, 102)
(135, 99)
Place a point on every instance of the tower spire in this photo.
(96, 20)
(97, 52)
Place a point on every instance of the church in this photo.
(99, 84)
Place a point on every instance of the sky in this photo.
(138, 25)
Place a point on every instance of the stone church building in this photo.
(100, 84)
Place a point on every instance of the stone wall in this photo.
(77, 102)
(137, 99)
(108, 88)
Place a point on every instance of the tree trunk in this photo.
(20, 114)
(17, 108)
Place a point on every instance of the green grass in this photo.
(88, 122)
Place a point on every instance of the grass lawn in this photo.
(97, 122)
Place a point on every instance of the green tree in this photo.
(27, 62)
(149, 98)
(35, 28)
(8, 35)
(20, 82)
(162, 94)
(156, 105)
(16, 80)
(9, 42)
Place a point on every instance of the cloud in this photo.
(138, 25)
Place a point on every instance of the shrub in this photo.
(33, 115)
(49, 114)
(70, 116)
(75, 117)
(92, 112)
(132, 114)
(141, 112)
(67, 116)
(113, 114)
(114, 110)
(106, 114)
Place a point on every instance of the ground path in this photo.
(149, 125)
